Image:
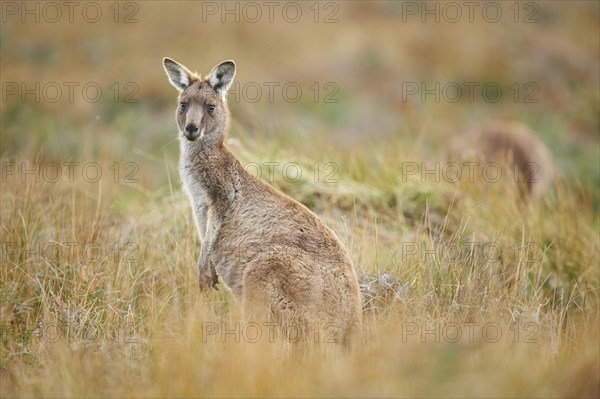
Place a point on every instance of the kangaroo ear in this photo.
(221, 77)
(178, 75)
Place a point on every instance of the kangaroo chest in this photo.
(193, 188)
(195, 191)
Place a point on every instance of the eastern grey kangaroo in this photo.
(510, 144)
(281, 262)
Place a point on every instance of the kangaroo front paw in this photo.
(208, 280)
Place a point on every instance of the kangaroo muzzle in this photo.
(192, 132)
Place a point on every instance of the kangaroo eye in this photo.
(210, 107)
(183, 105)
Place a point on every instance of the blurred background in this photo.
(366, 72)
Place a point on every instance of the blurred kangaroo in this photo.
(281, 262)
(510, 144)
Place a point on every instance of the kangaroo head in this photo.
(202, 112)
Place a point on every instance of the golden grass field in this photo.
(491, 296)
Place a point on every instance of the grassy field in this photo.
(469, 291)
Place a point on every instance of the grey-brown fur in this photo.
(510, 144)
(281, 262)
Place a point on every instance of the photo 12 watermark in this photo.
(68, 171)
(55, 253)
(471, 171)
(70, 331)
(290, 12)
(69, 92)
(526, 12)
(488, 332)
(294, 172)
(270, 332)
(470, 92)
(52, 12)
(465, 252)
(289, 92)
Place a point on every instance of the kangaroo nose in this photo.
(191, 128)
(191, 132)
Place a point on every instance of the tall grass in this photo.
(487, 296)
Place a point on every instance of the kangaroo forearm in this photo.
(200, 214)
(215, 215)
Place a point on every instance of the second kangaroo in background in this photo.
(510, 144)
(281, 262)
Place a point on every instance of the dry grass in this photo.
(98, 292)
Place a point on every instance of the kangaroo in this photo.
(280, 261)
(509, 144)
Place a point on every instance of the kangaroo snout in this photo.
(191, 132)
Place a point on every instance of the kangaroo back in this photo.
(512, 145)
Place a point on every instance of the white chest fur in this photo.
(194, 190)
